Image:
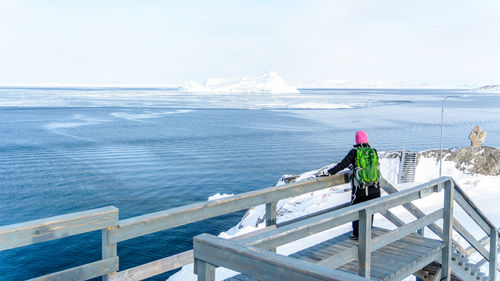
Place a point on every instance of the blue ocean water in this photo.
(146, 150)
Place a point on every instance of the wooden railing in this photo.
(491, 231)
(115, 231)
(27, 233)
(205, 246)
(258, 263)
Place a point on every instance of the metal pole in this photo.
(441, 147)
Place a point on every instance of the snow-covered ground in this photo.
(268, 82)
(482, 189)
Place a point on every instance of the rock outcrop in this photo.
(477, 136)
(481, 160)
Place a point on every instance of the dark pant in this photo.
(358, 195)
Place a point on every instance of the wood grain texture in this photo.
(150, 223)
(262, 264)
(84, 272)
(31, 232)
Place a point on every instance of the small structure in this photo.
(407, 166)
(477, 136)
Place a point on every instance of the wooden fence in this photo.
(248, 253)
(115, 230)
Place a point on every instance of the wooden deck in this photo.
(388, 263)
(390, 256)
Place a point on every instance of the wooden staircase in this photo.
(380, 254)
(462, 270)
(394, 261)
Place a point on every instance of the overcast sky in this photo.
(441, 43)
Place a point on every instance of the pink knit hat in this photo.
(361, 137)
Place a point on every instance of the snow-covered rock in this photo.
(483, 160)
(462, 164)
(268, 82)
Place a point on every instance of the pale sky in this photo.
(441, 43)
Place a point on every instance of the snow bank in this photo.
(482, 189)
(219, 196)
(268, 82)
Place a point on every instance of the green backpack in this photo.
(367, 172)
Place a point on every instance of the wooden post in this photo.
(109, 250)
(447, 230)
(364, 249)
(271, 217)
(271, 213)
(493, 253)
(204, 270)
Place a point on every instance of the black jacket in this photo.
(349, 160)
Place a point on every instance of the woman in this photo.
(365, 187)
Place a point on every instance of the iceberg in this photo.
(269, 82)
(488, 89)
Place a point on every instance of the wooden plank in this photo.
(108, 250)
(271, 213)
(493, 254)
(404, 196)
(261, 264)
(470, 239)
(419, 241)
(324, 211)
(295, 231)
(409, 250)
(409, 269)
(381, 241)
(27, 233)
(384, 261)
(84, 272)
(204, 271)
(364, 248)
(482, 220)
(414, 210)
(150, 223)
(483, 242)
(406, 230)
(410, 207)
(160, 266)
(390, 216)
(474, 213)
(447, 230)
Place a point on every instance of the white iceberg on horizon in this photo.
(269, 82)
(488, 89)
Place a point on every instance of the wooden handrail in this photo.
(154, 222)
(211, 251)
(36, 231)
(114, 230)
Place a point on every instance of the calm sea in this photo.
(64, 150)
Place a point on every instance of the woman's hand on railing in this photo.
(322, 173)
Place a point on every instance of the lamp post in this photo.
(441, 147)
